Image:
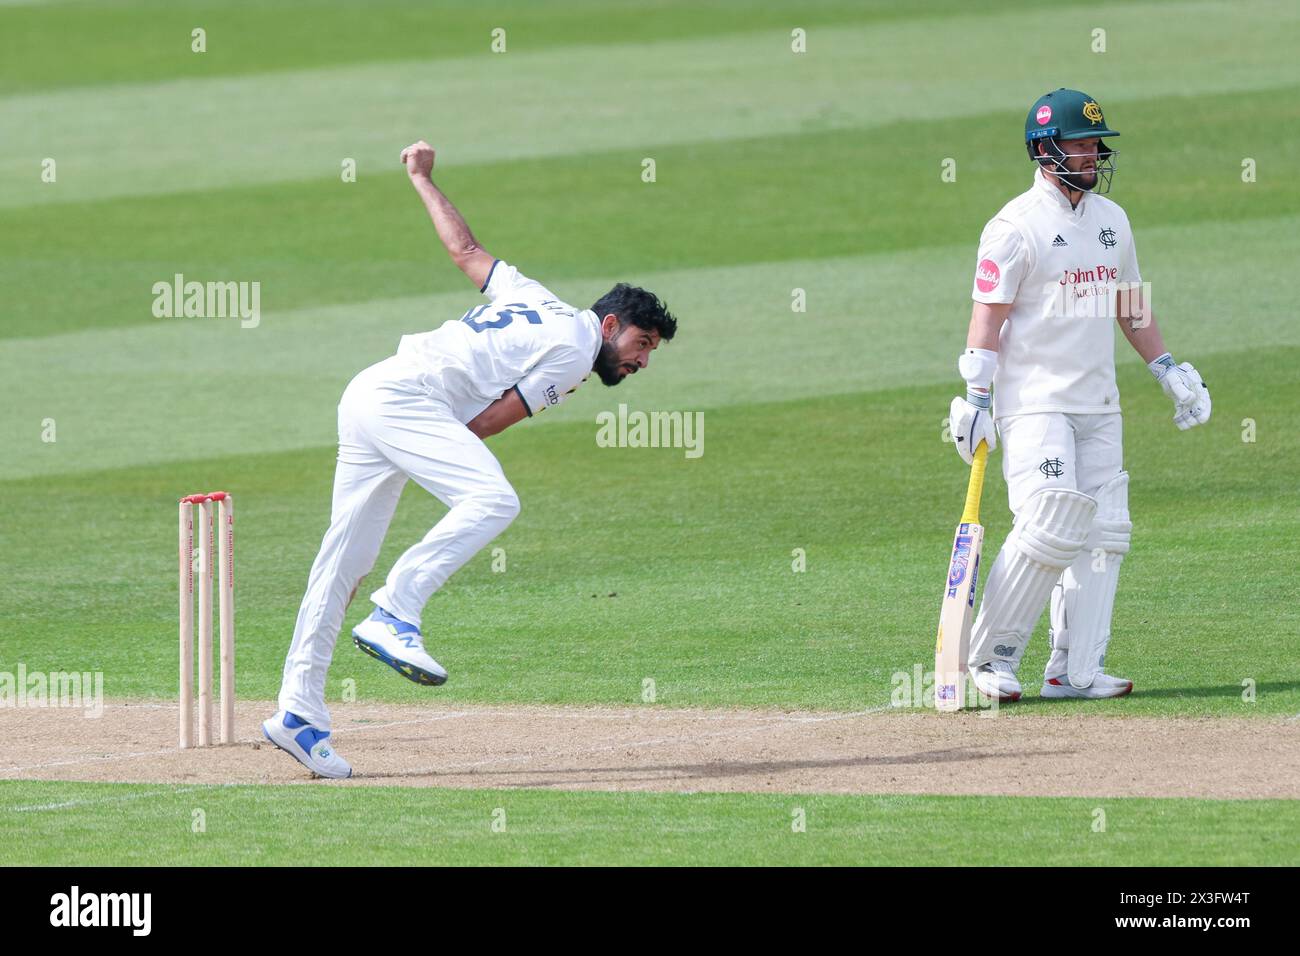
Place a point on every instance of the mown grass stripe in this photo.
(366, 826)
(138, 42)
(290, 125)
(130, 395)
(801, 196)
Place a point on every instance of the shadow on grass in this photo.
(1223, 691)
(652, 772)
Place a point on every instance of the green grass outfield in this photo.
(699, 560)
(354, 826)
(776, 171)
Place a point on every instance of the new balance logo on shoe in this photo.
(1058, 242)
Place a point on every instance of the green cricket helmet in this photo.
(1059, 117)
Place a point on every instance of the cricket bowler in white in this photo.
(1056, 270)
(422, 415)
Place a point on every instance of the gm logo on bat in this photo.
(960, 561)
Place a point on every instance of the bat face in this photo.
(953, 645)
(964, 566)
(955, 617)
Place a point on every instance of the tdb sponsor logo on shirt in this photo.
(552, 397)
(987, 275)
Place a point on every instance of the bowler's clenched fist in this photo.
(418, 158)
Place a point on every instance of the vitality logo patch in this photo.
(987, 275)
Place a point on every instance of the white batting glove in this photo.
(970, 419)
(970, 424)
(1183, 384)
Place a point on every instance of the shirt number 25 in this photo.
(505, 315)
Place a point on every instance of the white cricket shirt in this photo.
(1060, 269)
(524, 338)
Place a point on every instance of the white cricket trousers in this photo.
(391, 428)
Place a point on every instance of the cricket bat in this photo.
(958, 610)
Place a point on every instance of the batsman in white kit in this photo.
(1057, 269)
(422, 415)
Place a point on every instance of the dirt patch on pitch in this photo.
(573, 748)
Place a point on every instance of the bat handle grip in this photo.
(971, 513)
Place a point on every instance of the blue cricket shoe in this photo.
(400, 646)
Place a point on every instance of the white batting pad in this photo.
(1083, 603)
(1049, 534)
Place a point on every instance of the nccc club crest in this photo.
(1107, 238)
(1092, 112)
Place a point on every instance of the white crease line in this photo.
(102, 800)
(433, 718)
(821, 718)
(81, 760)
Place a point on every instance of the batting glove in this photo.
(1183, 384)
(970, 424)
